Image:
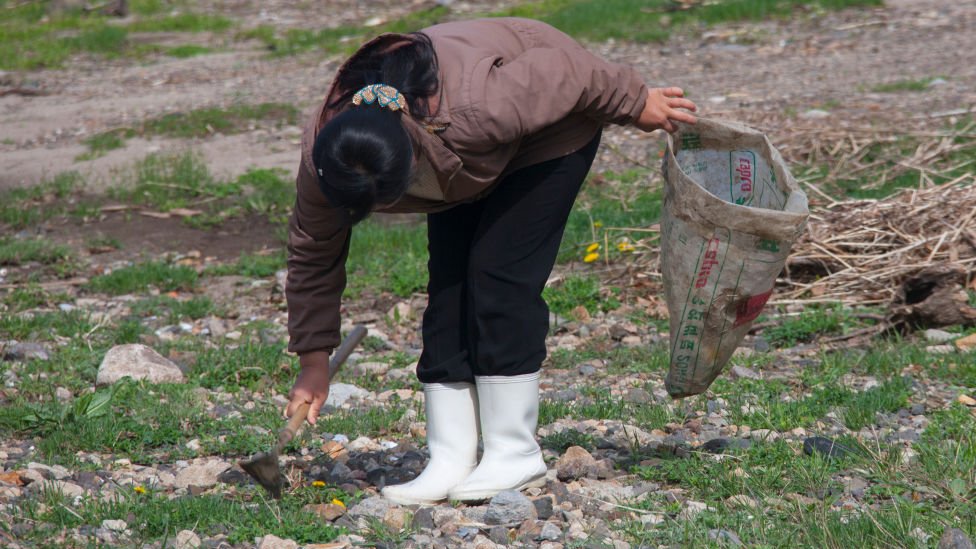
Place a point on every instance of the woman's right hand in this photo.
(312, 385)
(661, 110)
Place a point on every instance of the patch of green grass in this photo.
(142, 276)
(580, 291)
(653, 20)
(44, 326)
(27, 206)
(183, 22)
(812, 322)
(560, 441)
(252, 265)
(189, 50)
(384, 257)
(344, 39)
(29, 296)
(607, 207)
(174, 310)
(773, 404)
(251, 365)
(39, 250)
(32, 37)
(155, 517)
(920, 84)
(101, 143)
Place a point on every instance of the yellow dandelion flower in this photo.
(338, 502)
(139, 489)
(591, 257)
(592, 248)
(625, 247)
(318, 484)
(597, 224)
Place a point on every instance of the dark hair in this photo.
(363, 155)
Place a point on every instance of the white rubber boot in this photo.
(452, 438)
(512, 460)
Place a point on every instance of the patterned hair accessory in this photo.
(386, 96)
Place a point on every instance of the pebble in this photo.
(549, 532)
(741, 372)
(725, 537)
(371, 368)
(26, 351)
(202, 475)
(691, 509)
(509, 507)
(62, 394)
(543, 507)
(115, 525)
(815, 114)
(938, 336)
(825, 447)
(574, 464)
(954, 538)
(341, 393)
(274, 542)
(138, 362)
(375, 507)
(186, 539)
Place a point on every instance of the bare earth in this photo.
(753, 72)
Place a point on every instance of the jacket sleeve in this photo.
(317, 249)
(554, 78)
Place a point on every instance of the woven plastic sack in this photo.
(731, 213)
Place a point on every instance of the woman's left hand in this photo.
(661, 110)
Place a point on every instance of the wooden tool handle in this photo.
(338, 357)
(345, 349)
(294, 424)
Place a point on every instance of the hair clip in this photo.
(385, 96)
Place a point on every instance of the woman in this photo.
(489, 126)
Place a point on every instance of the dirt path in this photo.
(828, 62)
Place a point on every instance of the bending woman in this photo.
(489, 126)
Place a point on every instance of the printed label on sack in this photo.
(686, 343)
(749, 309)
(742, 176)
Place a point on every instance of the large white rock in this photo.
(138, 362)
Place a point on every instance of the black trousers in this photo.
(489, 261)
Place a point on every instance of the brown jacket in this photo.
(513, 92)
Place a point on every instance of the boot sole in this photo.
(481, 495)
(413, 501)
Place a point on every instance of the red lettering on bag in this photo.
(749, 309)
(710, 260)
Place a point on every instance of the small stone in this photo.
(186, 539)
(118, 526)
(193, 445)
(423, 518)
(825, 447)
(954, 538)
(725, 537)
(966, 400)
(509, 507)
(691, 509)
(62, 394)
(587, 369)
(742, 500)
(375, 507)
(741, 372)
(371, 368)
(327, 511)
(940, 349)
(69, 489)
(274, 542)
(651, 519)
(938, 336)
(445, 515)
(966, 343)
(499, 535)
(549, 532)
(395, 519)
(917, 409)
(814, 114)
(574, 464)
(138, 362)
(340, 393)
(639, 396)
(25, 351)
(543, 507)
(937, 82)
(766, 435)
(202, 475)
(720, 445)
